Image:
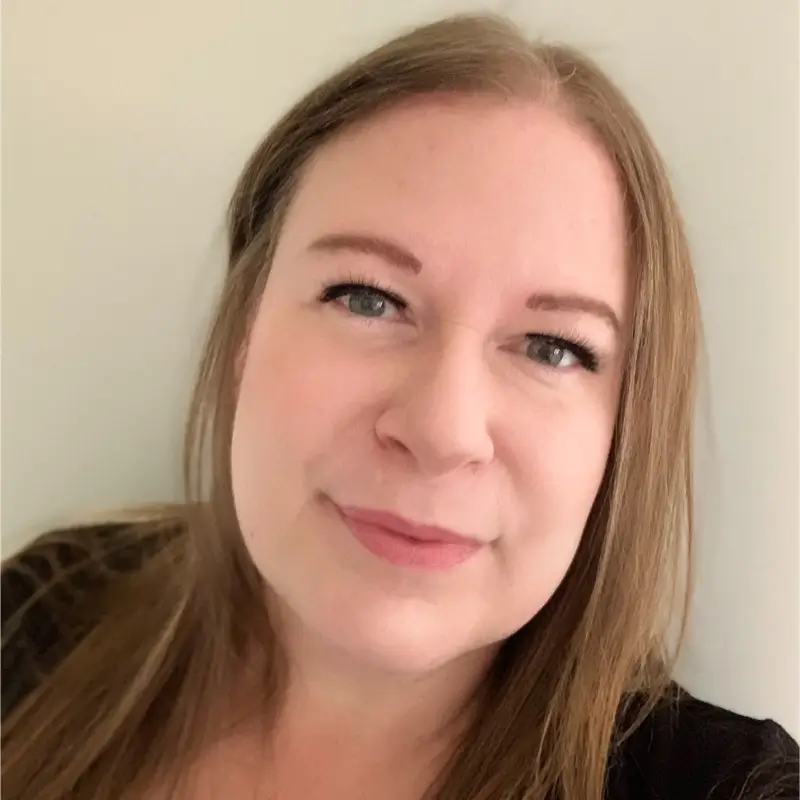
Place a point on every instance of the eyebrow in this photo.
(386, 249)
(399, 256)
(575, 302)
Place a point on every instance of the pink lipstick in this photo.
(407, 544)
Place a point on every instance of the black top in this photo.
(685, 750)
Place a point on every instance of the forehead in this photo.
(510, 185)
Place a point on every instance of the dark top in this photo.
(685, 750)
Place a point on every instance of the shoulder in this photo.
(690, 749)
(52, 590)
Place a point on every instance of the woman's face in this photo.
(440, 339)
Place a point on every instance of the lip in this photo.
(407, 544)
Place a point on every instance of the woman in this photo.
(445, 407)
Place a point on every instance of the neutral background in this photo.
(124, 127)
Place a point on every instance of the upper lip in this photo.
(405, 527)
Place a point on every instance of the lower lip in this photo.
(403, 551)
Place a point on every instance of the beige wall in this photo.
(124, 125)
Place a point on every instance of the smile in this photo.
(403, 543)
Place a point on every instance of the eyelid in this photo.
(360, 280)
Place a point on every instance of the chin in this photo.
(338, 597)
(398, 641)
(399, 635)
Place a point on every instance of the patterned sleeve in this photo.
(43, 589)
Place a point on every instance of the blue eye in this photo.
(559, 353)
(366, 300)
(363, 299)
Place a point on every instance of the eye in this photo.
(559, 353)
(363, 299)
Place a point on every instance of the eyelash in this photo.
(580, 347)
(352, 283)
(577, 345)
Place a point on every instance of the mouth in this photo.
(404, 543)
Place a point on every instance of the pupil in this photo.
(367, 304)
(556, 354)
(547, 352)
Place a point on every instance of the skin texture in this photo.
(442, 411)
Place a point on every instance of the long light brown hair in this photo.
(143, 693)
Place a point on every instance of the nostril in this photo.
(390, 442)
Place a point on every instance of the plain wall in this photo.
(124, 128)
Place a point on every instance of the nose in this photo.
(439, 414)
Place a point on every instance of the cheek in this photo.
(273, 432)
(287, 394)
(294, 405)
(561, 448)
(572, 456)
(559, 467)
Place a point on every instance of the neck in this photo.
(326, 685)
(341, 713)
